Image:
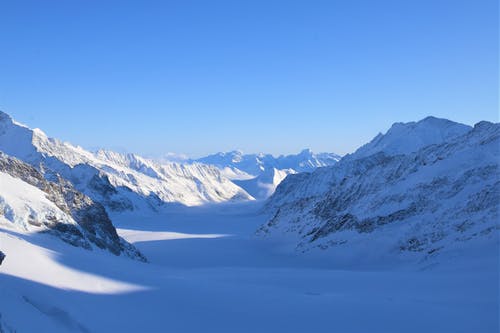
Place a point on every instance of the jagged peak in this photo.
(306, 152)
(7, 119)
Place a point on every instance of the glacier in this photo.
(402, 235)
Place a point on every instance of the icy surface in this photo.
(209, 273)
(401, 236)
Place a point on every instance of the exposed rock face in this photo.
(92, 224)
(429, 198)
(2, 257)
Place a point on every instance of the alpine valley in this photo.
(401, 235)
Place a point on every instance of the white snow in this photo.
(129, 174)
(264, 185)
(21, 203)
(208, 271)
(134, 236)
(198, 281)
(260, 174)
(404, 138)
(416, 204)
(41, 264)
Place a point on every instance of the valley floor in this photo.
(208, 272)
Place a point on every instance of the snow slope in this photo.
(208, 273)
(24, 205)
(120, 182)
(264, 185)
(416, 200)
(412, 233)
(31, 204)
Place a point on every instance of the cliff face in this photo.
(434, 197)
(32, 203)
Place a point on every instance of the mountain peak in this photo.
(4, 116)
(403, 138)
(306, 152)
(435, 120)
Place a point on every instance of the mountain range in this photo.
(119, 181)
(406, 224)
(421, 188)
(54, 187)
(260, 174)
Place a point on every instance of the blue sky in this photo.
(277, 76)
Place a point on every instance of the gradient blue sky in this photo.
(275, 76)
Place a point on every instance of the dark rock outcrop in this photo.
(94, 224)
(431, 197)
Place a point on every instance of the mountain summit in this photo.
(404, 138)
(420, 189)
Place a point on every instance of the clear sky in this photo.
(198, 77)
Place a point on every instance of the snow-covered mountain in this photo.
(421, 188)
(255, 164)
(404, 138)
(118, 181)
(31, 204)
(264, 185)
(259, 174)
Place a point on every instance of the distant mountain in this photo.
(118, 181)
(30, 203)
(259, 174)
(422, 188)
(255, 164)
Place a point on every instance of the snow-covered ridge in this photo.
(440, 188)
(119, 181)
(255, 164)
(260, 174)
(29, 203)
(264, 185)
(404, 138)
